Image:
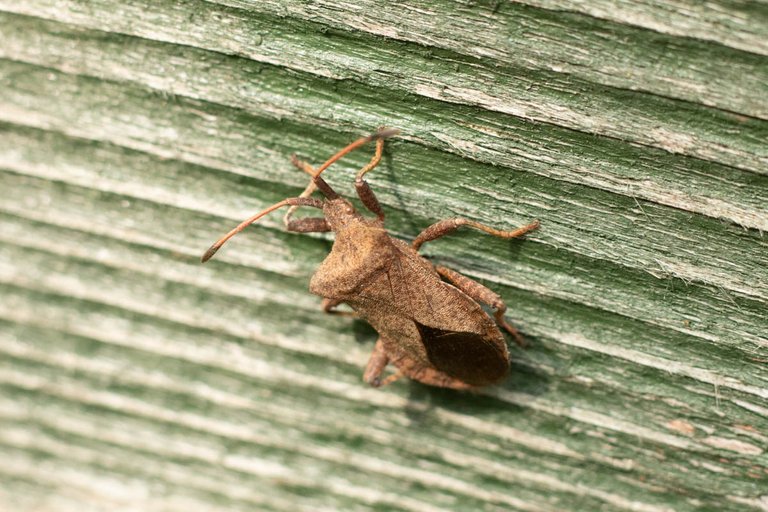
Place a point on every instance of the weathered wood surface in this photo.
(134, 133)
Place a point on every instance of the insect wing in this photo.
(464, 355)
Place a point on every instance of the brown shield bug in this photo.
(429, 319)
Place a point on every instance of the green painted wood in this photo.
(133, 134)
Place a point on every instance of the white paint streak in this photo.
(367, 464)
(594, 418)
(665, 365)
(733, 445)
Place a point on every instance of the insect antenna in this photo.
(381, 134)
(291, 201)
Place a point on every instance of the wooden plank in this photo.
(134, 134)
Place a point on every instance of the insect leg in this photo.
(444, 227)
(482, 294)
(376, 365)
(308, 225)
(300, 226)
(366, 196)
(328, 306)
(364, 191)
(408, 367)
(316, 183)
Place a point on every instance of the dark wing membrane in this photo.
(464, 355)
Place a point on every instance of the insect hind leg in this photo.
(480, 293)
(427, 374)
(407, 366)
(377, 363)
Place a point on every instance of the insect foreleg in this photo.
(480, 293)
(308, 225)
(313, 224)
(364, 191)
(304, 166)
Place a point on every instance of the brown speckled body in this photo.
(399, 293)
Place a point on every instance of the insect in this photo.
(431, 325)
